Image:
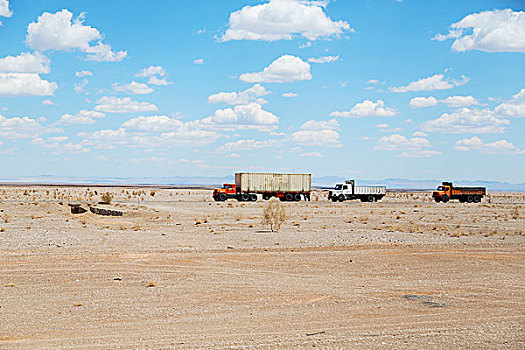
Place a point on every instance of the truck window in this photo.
(345, 187)
(441, 188)
(338, 187)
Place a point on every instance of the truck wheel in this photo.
(288, 197)
(477, 199)
(470, 199)
(245, 197)
(341, 198)
(445, 198)
(222, 197)
(334, 199)
(437, 199)
(370, 198)
(253, 197)
(266, 197)
(297, 197)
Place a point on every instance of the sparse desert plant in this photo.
(274, 214)
(151, 284)
(106, 198)
(152, 193)
(515, 213)
(238, 217)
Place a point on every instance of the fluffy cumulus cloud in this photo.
(367, 108)
(413, 147)
(283, 19)
(83, 73)
(286, 68)
(133, 88)
(111, 104)
(318, 133)
(496, 147)
(151, 71)
(514, 107)
(420, 102)
(249, 116)
(247, 145)
(82, 117)
(289, 94)
(150, 132)
(489, 31)
(4, 9)
(21, 128)
(25, 84)
(25, 63)
(466, 120)
(60, 144)
(253, 94)
(324, 59)
(59, 31)
(435, 82)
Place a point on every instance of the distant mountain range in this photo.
(321, 181)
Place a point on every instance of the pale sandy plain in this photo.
(179, 271)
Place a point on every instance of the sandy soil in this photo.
(180, 271)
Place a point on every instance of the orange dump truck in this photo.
(446, 192)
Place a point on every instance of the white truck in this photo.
(349, 190)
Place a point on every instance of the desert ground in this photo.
(180, 271)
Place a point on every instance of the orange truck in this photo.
(286, 187)
(446, 192)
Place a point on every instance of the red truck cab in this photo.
(225, 192)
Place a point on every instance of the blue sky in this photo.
(364, 89)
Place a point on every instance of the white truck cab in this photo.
(349, 191)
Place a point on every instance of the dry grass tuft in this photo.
(106, 198)
(151, 284)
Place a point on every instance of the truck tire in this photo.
(477, 199)
(470, 199)
(437, 199)
(334, 199)
(266, 197)
(370, 198)
(341, 198)
(297, 197)
(245, 197)
(288, 197)
(445, 198)
(253, 197)
(222, 197)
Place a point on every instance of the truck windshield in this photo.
(441, 188)
(338, 187)
(226, 186)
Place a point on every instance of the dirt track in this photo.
(405, 273)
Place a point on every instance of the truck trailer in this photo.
(349, 190)
(447, 191)
(286, 187)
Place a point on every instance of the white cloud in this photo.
(26, 62)
(252, 94)
(47, 103)
(497, 147)
(154, 124)
(69, 119)
(158, 81)
(249, 116)
(198, 61)
(460, 101)
(311, 155)
(111, 104)
(514, 107)
(196, 162)
(466, 120)
(59, 31)
(134, 88)
(81, 87)
(83, 73)
(59, 145)
(413, 147)
(4, 9)
(21, 128)
(435, 82)
(151, 71)
(489, 31)
(283, 19)
(25, 84)
(367, 108)
(420, 102)
(289, 94)
(285, 69)
(318, 133)
(324, 59)
(91, 114)
(419, 134)
(247, 145)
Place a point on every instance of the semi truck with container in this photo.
(349, 191)
(447, 191)
(247, 187)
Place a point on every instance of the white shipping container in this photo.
(272, 183)
(375, 190)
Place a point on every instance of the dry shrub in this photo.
(151, 284)
(515, 213)
(106, 198)
(274, 214)
(238, 217)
